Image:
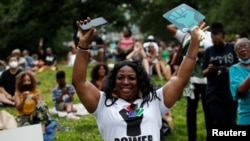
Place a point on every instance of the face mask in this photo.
(247, 61)
(26, 87)
(13, 64)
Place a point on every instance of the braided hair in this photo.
(143, 81)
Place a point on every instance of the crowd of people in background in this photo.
(220, 78)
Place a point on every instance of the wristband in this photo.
(81, 48)
(191, 57)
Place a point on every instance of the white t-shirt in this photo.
(156, 47)
(185, 37)
(115, 125)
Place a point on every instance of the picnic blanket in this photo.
(81, 110)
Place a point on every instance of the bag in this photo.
(7, 120)
(165, 129)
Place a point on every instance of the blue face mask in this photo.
(247, 61)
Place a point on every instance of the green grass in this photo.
(86, 129)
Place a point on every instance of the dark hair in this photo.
(143, 82)
(10, 56)
(19, 79)
(129, 31)
(95, 69)
(60, 74)
(243, 35)
(217, 28)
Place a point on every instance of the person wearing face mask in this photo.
(8, 80)
(240, 81)
(20, 59)
(63, 96)
(31, 108)
(217, 60)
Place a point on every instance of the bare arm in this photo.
(3, 91)
(168, 72)
(244, 86)
(18, 102)
(129, 56)
(86, 91)
(174, 87)
(172, 28)
(208, 70)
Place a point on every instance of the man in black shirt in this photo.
(8, 81)
(216, 62)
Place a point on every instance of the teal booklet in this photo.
(184, 17)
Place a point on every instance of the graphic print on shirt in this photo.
(225, 59)
(49, 58)
(133, 116)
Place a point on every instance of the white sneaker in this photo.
(72, 116)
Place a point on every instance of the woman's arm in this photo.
(129, 56)
(174, 87)
(18, 102)
(244, 87)
(87, 92)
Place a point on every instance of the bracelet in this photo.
(191, 57)
(81, 48)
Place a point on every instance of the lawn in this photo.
(86, 129)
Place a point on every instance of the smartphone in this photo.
(216, 62)
(94, 22)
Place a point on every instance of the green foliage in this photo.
(233, 14)
(24, 22)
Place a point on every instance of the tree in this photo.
(234, 16)
(24, 22)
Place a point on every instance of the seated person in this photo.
(50, 61)
(36, 61)
(5, 100)
(125, 44)
(31, 109)
(63, 96)
(153, 60)
(2, 66)
(71, 56)
(98, 75)
(97, 48)
(20, 59)
(139, 54)
(30, 64)
(8, 81)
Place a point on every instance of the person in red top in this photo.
(125, 44)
